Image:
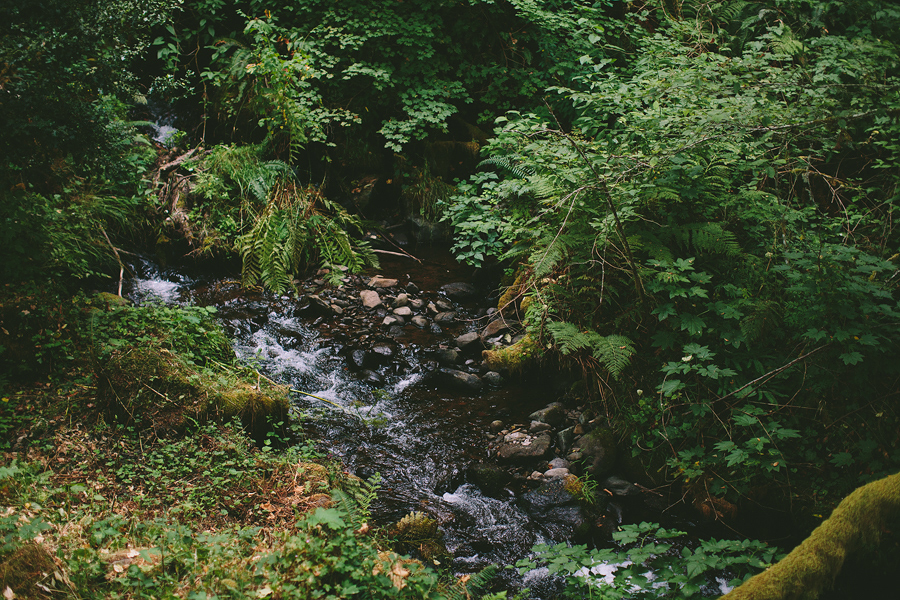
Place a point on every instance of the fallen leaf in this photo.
(8, 593)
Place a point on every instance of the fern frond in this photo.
(614, 352)
(510, 164)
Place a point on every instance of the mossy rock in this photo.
(516, 358)
(29, 573)
(152, 387)
(419, 532)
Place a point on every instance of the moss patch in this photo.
(153, 388)
(31, 572)
(515, 358)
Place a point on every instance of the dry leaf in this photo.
(118, 568)
(8, 593)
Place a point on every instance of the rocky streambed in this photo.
(398, 379)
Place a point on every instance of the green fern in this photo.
(476, 582)
(614, 352)
(510, 164)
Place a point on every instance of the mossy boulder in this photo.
(151, 387)
(31, 572)
(599, 451)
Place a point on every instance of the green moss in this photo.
(812, 567)
(152, 387)
(515, 358)
(29, 573)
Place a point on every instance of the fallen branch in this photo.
(118, 259)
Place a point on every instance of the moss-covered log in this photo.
(812, 567)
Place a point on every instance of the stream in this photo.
(395, 418)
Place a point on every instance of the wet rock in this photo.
(336, 310)
(357, 358)
(559, 463)
(400, 300)
(446, 357)
(371, 377)
(417, 303)
(459, 380)
(382, 282)
(445, 317)
(565, 438)
(557, 509)
(420, 321)
(379, 355)
(403, 311)
(412, 288)
(470, 342)
(599, 450)
(492, 378)
(319, 305)
(496, 425)
(459, 290)
(520, 446)
(495, 327)
(556, 473)
(370, 298)
(554, 414)
(620, 487)
(490, 477)
(390, 321)
(432, 309)
(435, 329)
(538, 427)
(443, 306)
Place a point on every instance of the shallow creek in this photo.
(421, 438)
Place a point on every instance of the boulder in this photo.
(492, 378)
(557, 473)
(521, 446)
(446, 357)
(619, 487)
(538, 427)
(554, 414)
(459, 380)
(459, 290)
(557, 509)
(490, 478)
(470, 342)
(495, 327)
(565, 438)
(598, 449)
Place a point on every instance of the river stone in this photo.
(599, 451)
(403, 311)
(443, 306)
(392, 320)
(518, 446)
(370, 298)
(538, 427)
(319, 305)
(459, 290)
(382, 282)
(559, 463)
(378, 355)
(495, 327)
(460, 380)
(417, 304)
(490, 478)
(554, 414)
(419, 321)
(371, 377)
(432, 308)
(445, 317)
(400, 300)
(358, 358)
(446, 357)
(435, 329)
(565, 438)
(557, 509)
(470, 342)
(412, 288)
(496, 425)
(337, 310)
(556, 473)
(492, 378)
